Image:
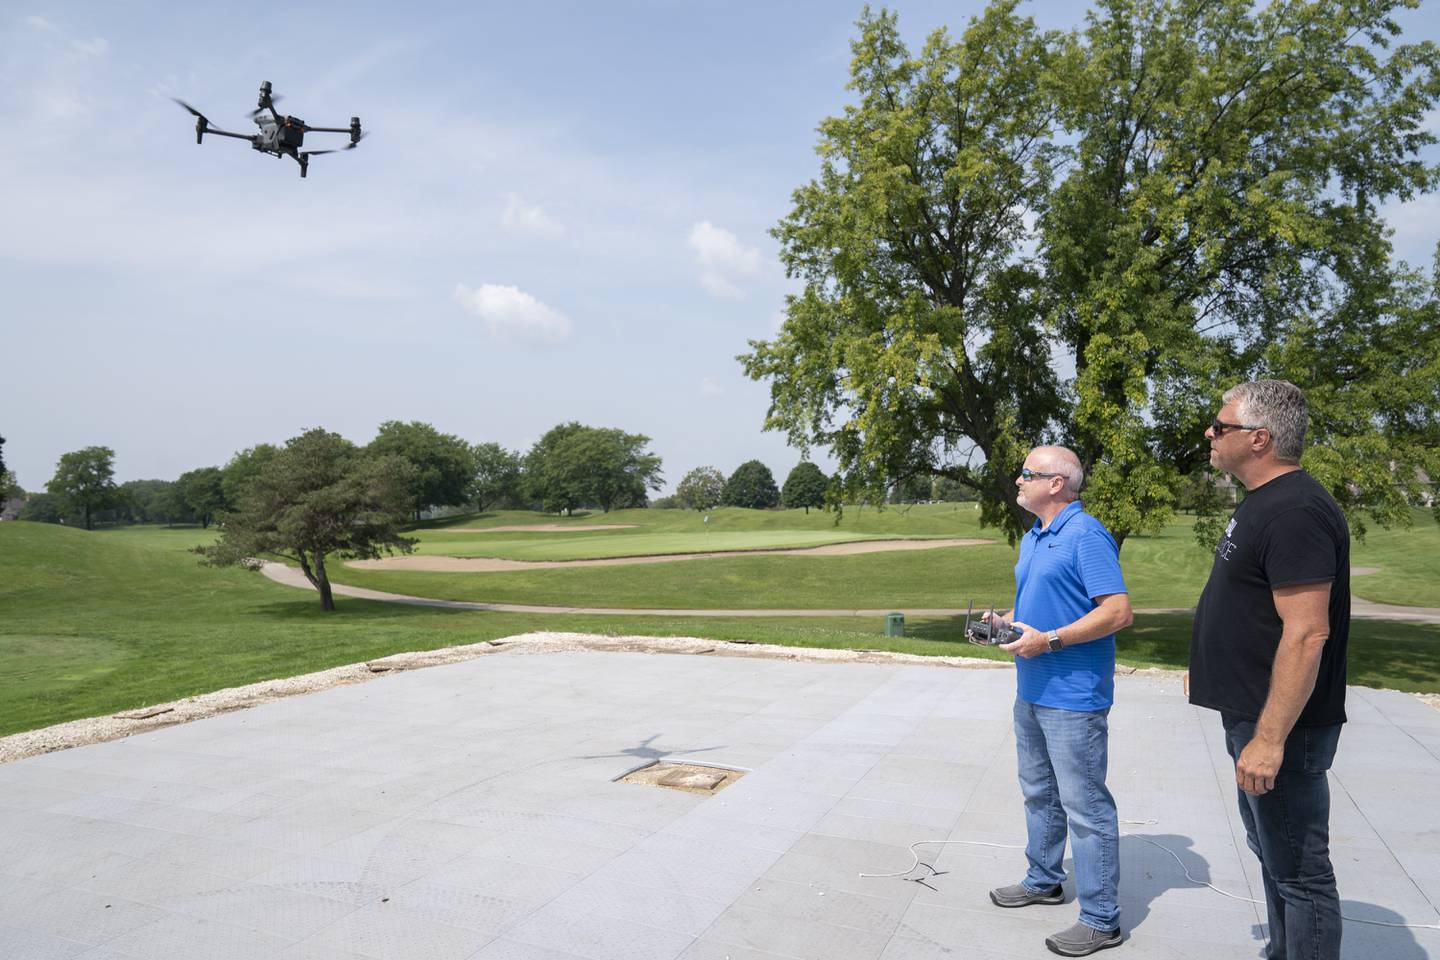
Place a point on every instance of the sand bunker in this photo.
(537, 528)
(496, 565)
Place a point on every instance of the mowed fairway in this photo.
(1163, 570)
(94, 623)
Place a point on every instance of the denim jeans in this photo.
(1289, 830)
(1063, 756)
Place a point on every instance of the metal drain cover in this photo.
(689, 777)
(708, 780)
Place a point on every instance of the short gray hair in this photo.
(1279, 407)
(1063, 461)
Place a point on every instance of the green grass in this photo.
(1164, 570)
(556, 546)
(656, 532)
(95, 623)
(935, 520)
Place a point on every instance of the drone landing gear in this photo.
(304, 165)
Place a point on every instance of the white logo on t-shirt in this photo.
(1227, 545)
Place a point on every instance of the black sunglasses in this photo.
(1028, 474)
(1218, 427)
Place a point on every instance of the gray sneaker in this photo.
(1019, 895)
(1081, 940)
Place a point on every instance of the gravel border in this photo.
(77, 733)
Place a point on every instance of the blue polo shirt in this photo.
(1062, 569)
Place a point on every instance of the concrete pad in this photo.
(469, 811)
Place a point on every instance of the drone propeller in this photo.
(190, 108)
(348, 146)
(268, 104)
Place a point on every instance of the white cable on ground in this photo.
(1010, 846)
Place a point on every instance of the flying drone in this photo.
(279, 136)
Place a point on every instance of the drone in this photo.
(279, 136)
(988, 631)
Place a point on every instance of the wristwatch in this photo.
(1055, 645)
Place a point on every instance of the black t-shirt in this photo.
(1286, 532)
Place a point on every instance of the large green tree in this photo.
(752, 485)
(443, 465)
(84, 482)
(916, 345)
(319, 496)
(546, 478)
(701, 489)
(804, 487)
(1220, 222)
(1176, 197)
(202, 491)
(496, 477)
(574, 465)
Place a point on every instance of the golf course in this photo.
(96, 622)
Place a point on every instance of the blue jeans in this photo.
(1063, 756)
(1289, 830)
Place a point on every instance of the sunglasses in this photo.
(1028, 474)
(1218, 427)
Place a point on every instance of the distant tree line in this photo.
(572, 467)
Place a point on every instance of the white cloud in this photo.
(709, 387)
(512, 314)
(723, 259)
(523, 218)
(40, 23)
(718, 286)
(94, 47)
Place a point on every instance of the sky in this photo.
(561, 212)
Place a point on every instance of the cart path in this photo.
(292, 577)
(443, 564)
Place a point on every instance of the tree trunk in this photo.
(327, 599)
(87, 517)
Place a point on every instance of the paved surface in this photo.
(468, 811)
(292, 577)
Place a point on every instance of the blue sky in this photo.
(562, 212)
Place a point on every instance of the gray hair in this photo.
(1063, 461)
(1279, 407)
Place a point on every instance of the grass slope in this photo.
(96, 623)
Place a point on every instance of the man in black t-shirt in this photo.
(1268, 651)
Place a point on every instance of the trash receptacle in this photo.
(894, 624)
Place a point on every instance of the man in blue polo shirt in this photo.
(1070, 598)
